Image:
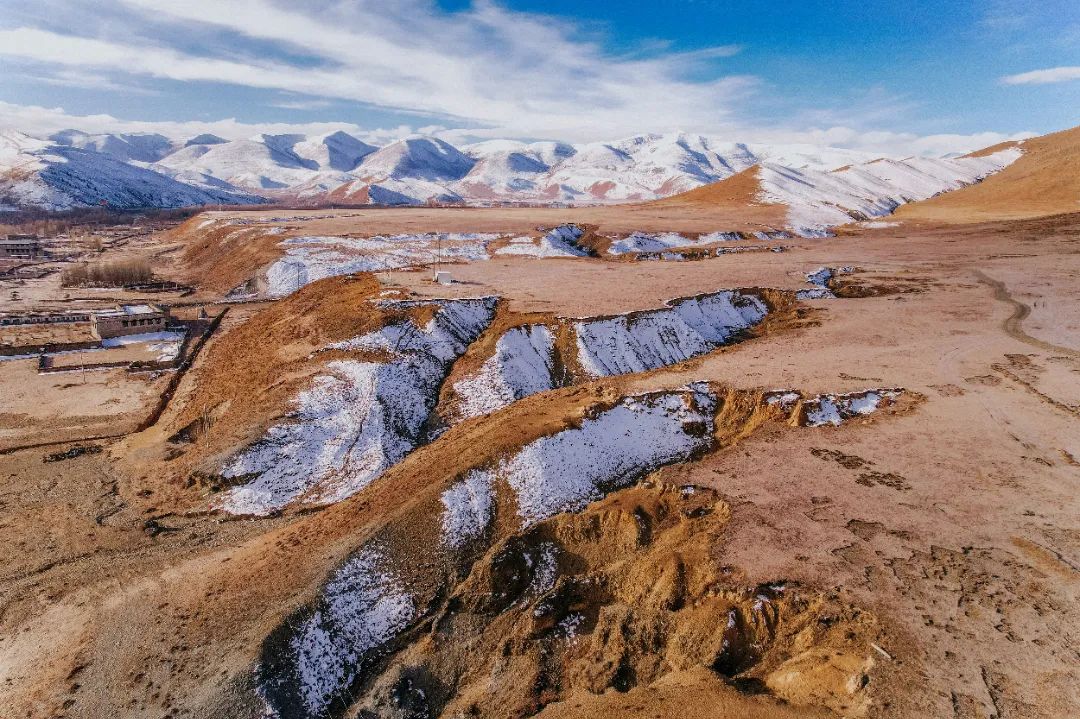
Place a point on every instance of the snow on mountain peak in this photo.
(822, 186)
(417, 157)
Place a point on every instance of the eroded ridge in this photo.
(832, 409)
(308, 259)
(530, 358)
(619, 595)
(544, 554)
(640, 341)
(561, 241)
(361, 416)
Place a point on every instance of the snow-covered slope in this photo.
(308, 259)
(420, 158)
(523, 364)
(335, 151)
(817, 199)
(504, 174)
(641, 341)
(34, 173)
(359, 418)
(136, 147)
(822, 186)
(565, 471)
(526, 360)
(256, 164)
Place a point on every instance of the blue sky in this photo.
(898, 76)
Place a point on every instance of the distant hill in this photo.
(1045, 180)
(810, 187)
(812, 200)
(36, 173)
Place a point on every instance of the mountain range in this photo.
(76, 169)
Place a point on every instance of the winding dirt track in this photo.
(1013, 325)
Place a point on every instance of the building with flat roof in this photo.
(21, 247)
(128, 320)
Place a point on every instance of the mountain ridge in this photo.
(822, 186)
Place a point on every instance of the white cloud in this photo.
(488, 66)
(484, 72)
(313, 104)
(1044, 77)
(43, 121)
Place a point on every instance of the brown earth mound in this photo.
(223, 256)
(1044, 181)
(624, 595)
(739, 190)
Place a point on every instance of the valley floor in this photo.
(952, 519)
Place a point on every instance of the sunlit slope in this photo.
(1044, 181)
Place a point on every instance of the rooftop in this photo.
(130, 310)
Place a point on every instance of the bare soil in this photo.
(935, 545)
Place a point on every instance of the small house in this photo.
(128, 320)
(21, 247)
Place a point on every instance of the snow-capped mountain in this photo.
(205, 139)
(37, 173)
(420, 158)
(817, 199)
(336, 151)
(821, 185)
(263, 163)
(136, 147)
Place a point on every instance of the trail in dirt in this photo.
(1013, 325)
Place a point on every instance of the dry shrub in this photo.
(108, 274)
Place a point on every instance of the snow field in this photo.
(308, 259)
(361, 608)
(641, 341)
(355, 422)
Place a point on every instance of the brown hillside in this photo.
(252, 372)
(1045, 181)
(736, 191)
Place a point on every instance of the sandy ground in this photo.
(612, 218)
(954, 522)
(72, 405)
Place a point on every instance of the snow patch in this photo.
(523, 365)
(835, 409)
(361, 608)
(565, 471)
(356, 422)
(820, 278)
(456, 324)
(641, 341)
(467, 508)
(658, 242)
(559, 242)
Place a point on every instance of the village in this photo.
(74, 345)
